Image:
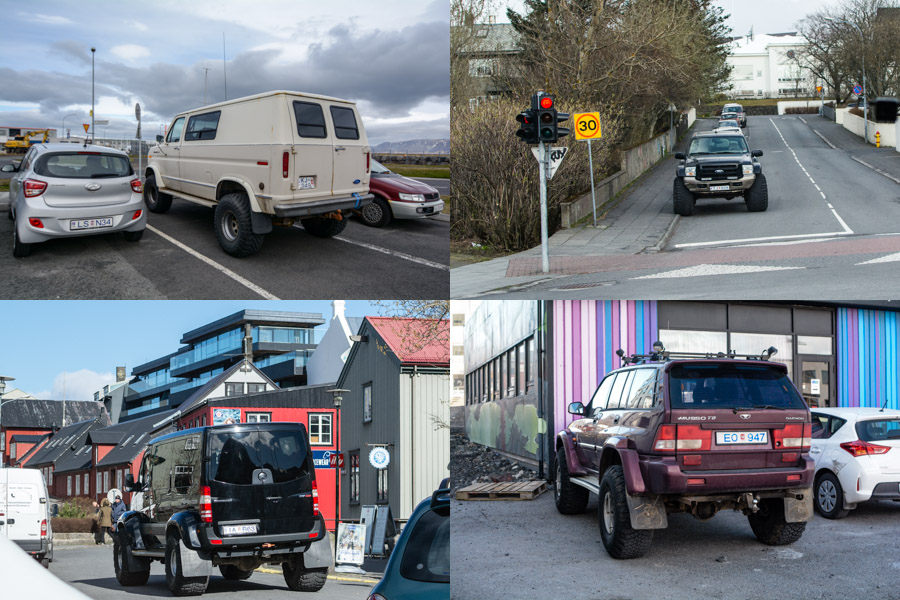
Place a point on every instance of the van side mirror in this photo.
(680, 155)
(576, 408)
(159, 139)
(756, 153)
(129, 482)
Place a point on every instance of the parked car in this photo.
(235, 496)
(728, 126)
(852, 449)
(24, 512)
(669, 433)
(63, 190)
(419, 567)
(264, 160)
(398, 197)
(737, 109)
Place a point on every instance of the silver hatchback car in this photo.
(61, 190)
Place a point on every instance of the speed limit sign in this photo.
(587, 126)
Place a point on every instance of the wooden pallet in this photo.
(528, 490)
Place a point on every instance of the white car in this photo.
(857, 456)
(728, 126)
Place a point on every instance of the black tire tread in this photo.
(757, 197)
(300, 579)
(573, 499)
(124, 576)
(134, 236)
(626, 542)
(20, 250)
(323, 227)
(247, 242)
(180, 585)
(770, 527)
(163, 201)
(682, 198)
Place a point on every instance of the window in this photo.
(253, 388)
(623, 382)
(234, 389)
(119, 473)
(77, 485)
(601, 396)
(810, 344)
(184, 476)
(202, 127)
(458, 383)
(457, 350)
(68, 485)
(99, 483)
(259, 417)
(12, 451)
(105, 482)
(310, 120)
(367, 403)
(501, 377)
(459, 320)
(642, 388)
(203, 421)
(521, 354)
(175, 131)
(694, 341)
(530, 360)
(320, 429)
(426, 556)
(87, 484)
(511, 373)
(345, 127)
(354, 477)
(382, 496)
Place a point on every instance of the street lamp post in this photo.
(64, 122)
(93, 133)
(3, 380)
(862, 37)
(337, 473)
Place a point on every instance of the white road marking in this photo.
(396, 254)
(804, 120)
(762, 239)
(833, 147)
(704, 270)
(884, 259)
(221, 268)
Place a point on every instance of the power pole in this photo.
(205, 79)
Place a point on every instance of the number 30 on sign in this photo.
(587, 126)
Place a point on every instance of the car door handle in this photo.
(815, 451)
(10, 521)
(339, 148)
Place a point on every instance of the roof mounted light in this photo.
(658, 346)
(769, 353)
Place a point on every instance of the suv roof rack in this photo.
(661, 354)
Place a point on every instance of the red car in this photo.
(398, 197)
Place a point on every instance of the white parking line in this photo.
(221, 268)
(396, 254)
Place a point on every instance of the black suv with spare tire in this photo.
(721, 165)
(232, 496)
(669, 433)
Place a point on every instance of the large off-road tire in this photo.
(323, 227)
(134, 236)
(570, 499)
(177, 583)
(829, 497)
(233, 226)
(769, 525)
(682, 199)
(232, 573)
(124, 575)
(20, 250)
(619, 537)
(300, 579)
(377, 213)
(156, 201)
(757, 197)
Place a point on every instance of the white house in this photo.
(769, 66)
(327, 361)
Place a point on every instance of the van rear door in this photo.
(22, 514)
(350, 148)
(310, 163)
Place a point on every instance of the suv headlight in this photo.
(412, 197)
(748, 169)
(690, 171)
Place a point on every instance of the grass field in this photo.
(4, 185)
(436, 171)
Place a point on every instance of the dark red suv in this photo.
(688, 433)
(398, 197)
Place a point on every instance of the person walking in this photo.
(105, 520)
(118, 509)
(95, 523)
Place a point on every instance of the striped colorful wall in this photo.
(867, 367)
(585, 337)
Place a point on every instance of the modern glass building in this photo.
(281, 343)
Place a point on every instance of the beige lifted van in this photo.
(264, 160)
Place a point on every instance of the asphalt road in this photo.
(90, 570)
(442, 184)
(527, 549)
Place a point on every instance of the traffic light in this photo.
(886, 109)
(546, 112)
(561, 117)
(527, 126)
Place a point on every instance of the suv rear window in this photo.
(83, 165)
(427, 553)
(878, 430)
(235, 455)
(726, 385)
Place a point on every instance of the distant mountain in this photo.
(415, 147)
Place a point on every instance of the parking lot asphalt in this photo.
(526, 549)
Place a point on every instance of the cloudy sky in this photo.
(391, 57)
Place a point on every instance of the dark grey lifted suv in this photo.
(232, 496)
(719, 164)
(688, 433)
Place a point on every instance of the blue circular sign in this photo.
(379, 457)
(857, 90)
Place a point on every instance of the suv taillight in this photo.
(44, 528)
(205, 505)
(33, 188)
(285, 163)
(682, 437)
(315, 494)
(665, 439)
(861, 448)
(136, 186)
(794, 435)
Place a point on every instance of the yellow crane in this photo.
(21, 143)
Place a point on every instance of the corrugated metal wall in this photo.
(867, 366)
(425, 401)
(586, 335)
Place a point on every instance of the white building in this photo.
(327, 361)
(769, 66)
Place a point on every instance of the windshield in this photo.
(83, 165)
(377, 167)
(427, 553)
(731, 386)
(235, 455)
(719, 145)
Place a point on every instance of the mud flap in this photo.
(260, 223)
(192, 565)
(798, 505)
(647, 512)
(319, 555)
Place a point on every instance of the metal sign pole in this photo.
(544, 166)
(593, 198)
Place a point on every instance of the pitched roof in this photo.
(23, 460)
(415, 341)
(202, 393)
(45, 413)
(130, 438)
(66, 449)
(27, 438)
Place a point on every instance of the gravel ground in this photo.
(472, 463)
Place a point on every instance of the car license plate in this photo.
(742, 437)
(719, 188)
(75, 225)
(238, 529)
(307, 183)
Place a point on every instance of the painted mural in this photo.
(586, 335)
(508, 424)
(868, 371)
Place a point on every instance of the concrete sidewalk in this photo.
(885, 161)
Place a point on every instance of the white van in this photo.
(264, 160)
(24, 512)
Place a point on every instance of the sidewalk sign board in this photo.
(349, 549)
(384, 528)
(367, 518)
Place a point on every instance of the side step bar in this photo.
(149, 553)
(588, 482)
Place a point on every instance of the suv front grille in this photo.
(710, 172)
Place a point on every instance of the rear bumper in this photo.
(39, 547)
(252, 545)
(56, 219)
(867, 482)
(321, 207)
(662, 475)
(416, 210)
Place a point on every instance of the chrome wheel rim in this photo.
(608, 513)
(558, 481)
(372, 212)
(827, 496)
(230, 226)
(173, 564)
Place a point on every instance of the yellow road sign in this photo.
(818, 88)
(587, 126)
(86, 126)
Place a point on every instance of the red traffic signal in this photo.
(546, 102)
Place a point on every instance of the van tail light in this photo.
(136, 186)
(693, 437)
(285, 163)
(205, 505)
(33, 188)
(794, 435)
(368, 161)
(44, 528)
(665, 439)
(861, 448)
(315, 495)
